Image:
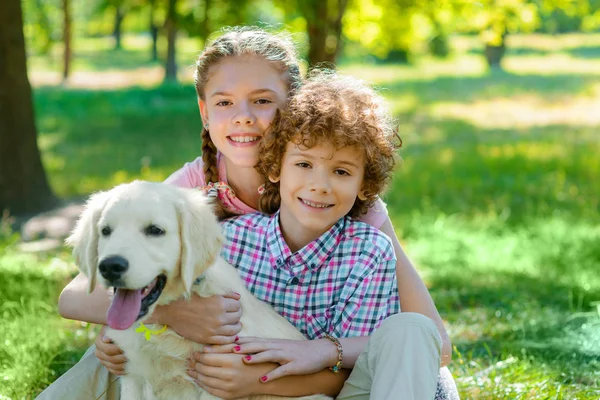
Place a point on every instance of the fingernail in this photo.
(207, 349)
(238, 294)
(237, 348)
(263, 378)
(249, 358)
(237, 338)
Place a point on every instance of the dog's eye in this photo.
(106, 231)
(153, 230)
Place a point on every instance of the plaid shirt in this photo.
(343, 283)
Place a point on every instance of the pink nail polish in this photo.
(237, 338)
(263, 378)
(249, 358)
(237, 348)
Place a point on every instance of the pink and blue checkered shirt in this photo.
(343, 283)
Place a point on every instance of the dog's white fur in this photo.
(189, 248)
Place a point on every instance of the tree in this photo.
(382, 27)
(66, 39)
(117, 31)
(171, 27)
(23, 184)
(153, 28)
(324, 28)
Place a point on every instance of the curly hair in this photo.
(339, 110)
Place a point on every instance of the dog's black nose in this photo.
(111, 268)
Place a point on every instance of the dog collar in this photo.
(149, 332)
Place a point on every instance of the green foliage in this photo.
(36, 346)
(380, 26)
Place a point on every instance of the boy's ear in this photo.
(203, 111)
(361, 195)
(274, 179)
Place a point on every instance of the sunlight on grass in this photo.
(33, 335)
(552, 65)
(526, 110)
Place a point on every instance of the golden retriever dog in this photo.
(150, 242)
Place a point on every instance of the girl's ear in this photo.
(203, 111)
(274, 179)
(361, 195)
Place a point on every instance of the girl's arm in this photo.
(227, 376)
(75, 302)
(414, 296)
(212, 320)
(295, 357)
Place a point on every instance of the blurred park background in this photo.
(497, 200)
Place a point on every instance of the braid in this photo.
(276, 48)
(211, 171)
(270, 200)
(209, 158)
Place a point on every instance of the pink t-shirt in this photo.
(191, 175)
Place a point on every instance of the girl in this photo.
(325, 161)
(242, 78)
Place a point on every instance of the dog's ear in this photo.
(84, 238)
(201, 237)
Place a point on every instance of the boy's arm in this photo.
(414, 296)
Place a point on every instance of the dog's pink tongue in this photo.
(124, 308)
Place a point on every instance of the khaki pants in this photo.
(88, 379)
(401, 361)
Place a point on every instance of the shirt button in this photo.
(279, 262)
(294, 281)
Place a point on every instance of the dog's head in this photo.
(149, 241)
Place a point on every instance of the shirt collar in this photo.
(313, 255)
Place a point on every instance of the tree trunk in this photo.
(44, 22)
(171, 26)
(205, 24)
(23, 184)
(153, 31)
(119, 16)
(316, 26)
(66, 39)
(495, 53)
(324, 28)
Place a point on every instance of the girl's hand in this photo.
(208, 320)
(295, 357)
(226, 376)
(109, 354)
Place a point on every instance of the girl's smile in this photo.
(241, 98)
(243, 139)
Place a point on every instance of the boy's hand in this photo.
(109, 354)
(208, 320)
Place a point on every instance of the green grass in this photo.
(497, 202)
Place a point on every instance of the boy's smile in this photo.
(318, 186)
